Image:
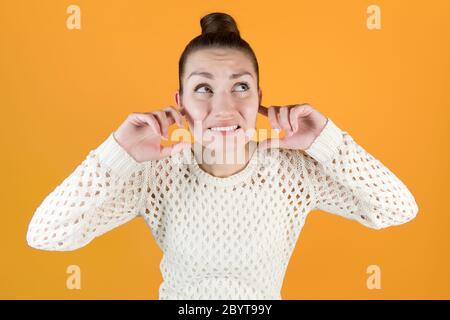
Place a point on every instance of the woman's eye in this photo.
(200, 87)
(243, 85)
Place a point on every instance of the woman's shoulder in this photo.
(284, 156)
(288, 163)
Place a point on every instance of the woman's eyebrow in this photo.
(210, 76)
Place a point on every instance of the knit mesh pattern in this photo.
(222, 238)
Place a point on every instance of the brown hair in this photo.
(219, 30)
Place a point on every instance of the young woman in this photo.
(227, 228)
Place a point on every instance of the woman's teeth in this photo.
(230, 128)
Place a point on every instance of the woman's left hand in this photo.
(301, 122)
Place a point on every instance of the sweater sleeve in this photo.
(351, 183)
(103, 192)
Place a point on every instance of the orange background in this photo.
(63, 91)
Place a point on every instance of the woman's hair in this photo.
(219, 30)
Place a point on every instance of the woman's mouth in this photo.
(225, 130)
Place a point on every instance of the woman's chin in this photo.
(225, 140)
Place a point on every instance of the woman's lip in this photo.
(224, 132)
(224, 126)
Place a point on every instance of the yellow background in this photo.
(63, 91)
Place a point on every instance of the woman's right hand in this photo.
(140, 134)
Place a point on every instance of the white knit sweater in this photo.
(222, 238)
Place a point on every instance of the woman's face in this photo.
(220, 90)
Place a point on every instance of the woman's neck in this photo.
(223, 168)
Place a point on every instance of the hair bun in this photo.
(218, 22)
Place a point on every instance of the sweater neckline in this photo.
(234, 179)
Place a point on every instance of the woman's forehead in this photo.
(217, 52)
(218, 63)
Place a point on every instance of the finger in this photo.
(263, 110)
(270, 143)
(304, 109)
(150, 120)
(174, 148)
(164, 123)
(293, 117)
(283, 117)
(174, 115)
(273, 118)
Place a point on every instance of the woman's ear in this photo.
(260, 95)
(179, 103)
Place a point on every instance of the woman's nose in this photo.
(223, 104)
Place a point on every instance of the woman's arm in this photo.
(350, 182)
(103, 192)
